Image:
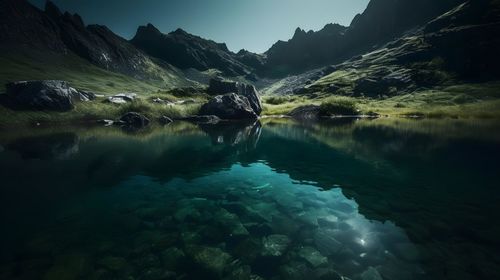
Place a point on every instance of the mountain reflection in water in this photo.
(380, 199)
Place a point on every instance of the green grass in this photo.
(481, 100)
(36, 65)
(339, 106)
(90, 112)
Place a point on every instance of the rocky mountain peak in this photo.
(180, 31)
(52, 10)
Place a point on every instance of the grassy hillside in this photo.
(478, 100)
(37, 65)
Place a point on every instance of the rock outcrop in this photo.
(51, 95)
(307, 112)
(221, 86)
(185, 50)
(230, 106)
(134, 120)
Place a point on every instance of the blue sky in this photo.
(251, 24)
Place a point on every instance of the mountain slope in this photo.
(185, 50)
(382, 20)
(24, 27)
(457, 47)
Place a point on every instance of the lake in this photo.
(276, 199)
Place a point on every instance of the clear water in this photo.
(380, 199)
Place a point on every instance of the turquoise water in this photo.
(380, 199)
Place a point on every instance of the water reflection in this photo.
(362, 199)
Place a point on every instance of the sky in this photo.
(254, 25)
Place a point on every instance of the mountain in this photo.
(185, 50)
(459, 46)
(382, 21)
(25, 28)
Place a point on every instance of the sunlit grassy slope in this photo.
(36, 65)
(479, 100)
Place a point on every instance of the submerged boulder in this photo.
(220, 86)
(229, 106)
(49, 95)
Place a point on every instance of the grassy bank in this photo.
(459, 101)
(90, 112)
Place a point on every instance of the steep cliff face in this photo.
(185, 50)
(382, 21)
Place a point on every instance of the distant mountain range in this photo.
(172, 58)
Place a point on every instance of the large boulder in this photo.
(220, 86)
(49, 95)
(229, 106)
(306, 112)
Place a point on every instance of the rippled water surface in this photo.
(380, 199)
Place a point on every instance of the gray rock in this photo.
(229, 106)
(312, 256)
(212, 259)
(326, 243)
(50, 95)
(135, 120)
(165, 120)
(220, 86)
(307, 112)
(106, 122)
(172, 258)
(371, 274)
(275, 245)
(329, 221)
(121, 98)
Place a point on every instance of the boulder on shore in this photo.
(134, 120)
(229, 106)
(219, 86)
(121, 98)
(307, 112)
(49, 95)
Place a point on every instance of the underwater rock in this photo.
(326, 243)
(187, 213)
(328, 274)
(147, 261)
(275, 245)
(212, 259)
(248, 249)
(190, 237)
(112, 263)
(371, 274)
(312, 256)
(330, 221)
(157, 274)
(68, 267)
(281, 224)
(294, 271)
(172, 258)
(230, 223)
